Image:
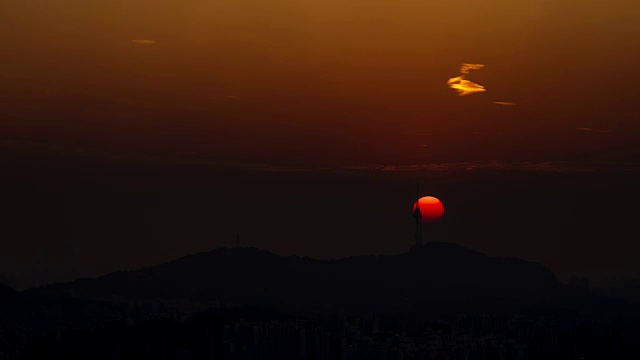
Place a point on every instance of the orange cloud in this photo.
(584, 129)
(504, 103)
(462, 85)
(465, 68)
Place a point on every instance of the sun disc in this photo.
(431, 208)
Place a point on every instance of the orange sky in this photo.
(313, 81)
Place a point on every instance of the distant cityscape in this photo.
(80, 321)
(164, 330)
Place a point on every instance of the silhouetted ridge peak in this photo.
(249, 252)
(445, 248)
(253, 276)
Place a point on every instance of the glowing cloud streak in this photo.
(463, 86)
(466, 68)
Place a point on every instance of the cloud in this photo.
(504, 103)
(465, 166)
(466, 68)
(286, 169)
(591, 129)
(524, 166)
(144, 42)
(463, 86)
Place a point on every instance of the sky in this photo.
(93, 92)
(274, 82)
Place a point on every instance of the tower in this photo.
(417, 215)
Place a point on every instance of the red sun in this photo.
(430, 207)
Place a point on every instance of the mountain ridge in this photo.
(436, 270)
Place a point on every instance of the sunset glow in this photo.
(248, 166)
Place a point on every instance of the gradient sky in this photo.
(324, 81)
(140, 129)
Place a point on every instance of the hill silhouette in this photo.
(7, 294)
(435, 271)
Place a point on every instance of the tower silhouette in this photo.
(417, 214)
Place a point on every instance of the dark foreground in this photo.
(536, 333)
(459, 304)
